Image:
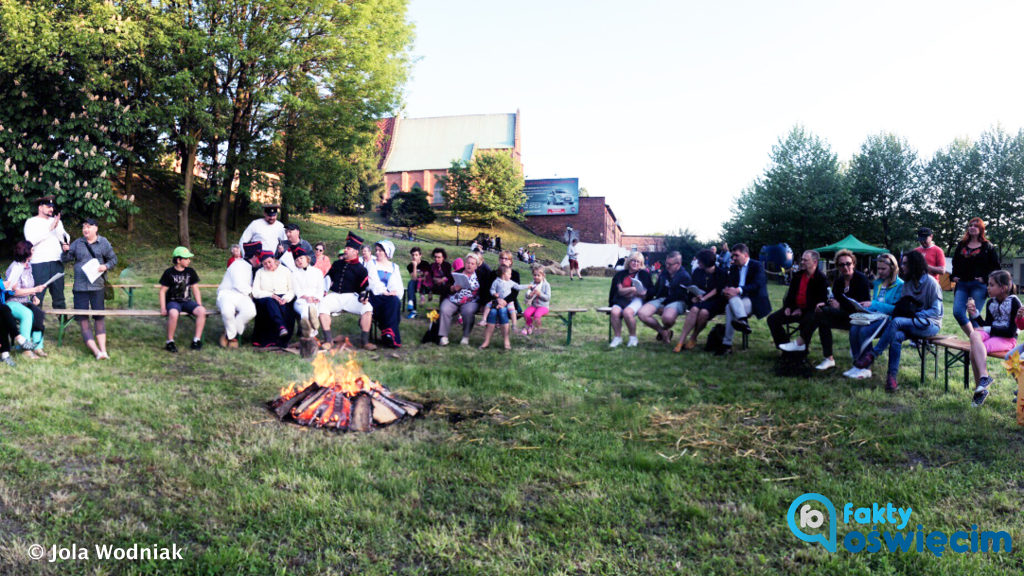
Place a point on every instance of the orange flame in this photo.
(347, 378)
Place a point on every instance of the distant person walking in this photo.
(573, 253)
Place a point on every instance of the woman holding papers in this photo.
(24, 303)
(464, 299)
(93, 256)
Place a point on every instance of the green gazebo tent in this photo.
(853, 245)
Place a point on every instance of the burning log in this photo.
(344, 399)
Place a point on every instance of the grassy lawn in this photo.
(542, 460)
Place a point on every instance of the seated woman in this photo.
(626, 297)
(996, 332)
(850, 286)
(918, 314)
(272, 293)
(463, 300)
(807, 289)
(24, 303)
(710, 279)
(386, 291)
(888, 288)
(440, 274)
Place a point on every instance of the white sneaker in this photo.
(444, 341)
(615, 343)
(464, 341)
(851, 372)
(633, 341)
(826, 364)
(862, 374)
(792, 347)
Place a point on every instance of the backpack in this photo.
(715, 337)
(793, 365)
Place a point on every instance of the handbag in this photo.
(108, 290)
(906, 307)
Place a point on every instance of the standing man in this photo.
(933, 254)
(292, 241)
(49, 240)
(747, 294)
(267, 230)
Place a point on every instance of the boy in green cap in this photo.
(179, 292)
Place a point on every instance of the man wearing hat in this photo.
(933, 255)
(49, 240)
(233, 295)
(293, 240)
(308, 283)
(268, 231)
(349, 282)
(179, 293)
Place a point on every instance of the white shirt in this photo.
(270, 235)
(308, 282)
(266, 284)
(237, 278)
(394, 284)
(46, 242)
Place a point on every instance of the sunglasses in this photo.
(845, 264)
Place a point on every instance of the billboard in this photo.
(556, 196)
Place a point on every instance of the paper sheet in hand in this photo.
(695, 291)
(92, 270)
(288, 260)
(56, 277)
(461, 280)
(856, 305)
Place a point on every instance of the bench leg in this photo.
(568, 332)
(62, 325)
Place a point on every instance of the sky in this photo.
(670, 109)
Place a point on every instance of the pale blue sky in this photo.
(670, 109)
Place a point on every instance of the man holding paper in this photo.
(93, 256)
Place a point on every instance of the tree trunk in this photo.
(188, 163)
(129, 177)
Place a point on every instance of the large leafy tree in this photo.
(883, 178)
(802, 198)
(950, 194)
(486, 188)
(64, 128)
(1000, 185)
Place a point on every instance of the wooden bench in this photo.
(65, 316)
(566, 315)
(607, 310)
(129, 289)
(958, 352)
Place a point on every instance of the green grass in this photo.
(542, 460)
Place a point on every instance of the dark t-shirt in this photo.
(179, 283)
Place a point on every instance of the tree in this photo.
(63, 127)
(950, 191)
(883, 177)
(486, 188)
(1000, 184)
(801, 199)
(584, 193)
(686, 243)
(408, 210)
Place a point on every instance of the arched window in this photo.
(417, 186)
(393, 191)
(439, 192)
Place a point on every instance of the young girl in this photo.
(538, 300)
(997, 332)
(501, 288)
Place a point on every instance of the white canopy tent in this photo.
(600, 255)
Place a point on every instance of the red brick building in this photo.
(596, 223)
(417, 152)
(643, 243)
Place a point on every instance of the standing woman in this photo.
(24, 303)
(386, 290)
(89, 294)
(973, 260)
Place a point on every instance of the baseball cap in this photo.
(182, 252)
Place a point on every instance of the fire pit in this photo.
(341, 397)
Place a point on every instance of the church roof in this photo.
(432, 143)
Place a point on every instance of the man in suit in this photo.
(807, 289)
(747, 294)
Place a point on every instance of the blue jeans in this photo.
(968, 289)
(898, 330)
(860, 337)
(497, 315)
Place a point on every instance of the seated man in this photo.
(808, 288)
(348, 293)
(668, 297)
(272, 293)
(234, 295)
(747, 293)
(179, 293)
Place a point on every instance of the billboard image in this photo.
(552, 196)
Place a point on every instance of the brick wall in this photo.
(405, 181)
(595, 223)
(643, 243)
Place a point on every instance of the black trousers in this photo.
(776, 320)
(828, 318)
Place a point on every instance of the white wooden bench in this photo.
(65, 316)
